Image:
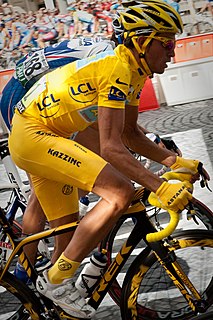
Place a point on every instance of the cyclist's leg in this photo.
(67, 163)
(60, 165)
(34, 218)
(116, 192)
(62, 241)
(60, 203)
(33, 221)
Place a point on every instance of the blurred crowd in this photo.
(43, 27)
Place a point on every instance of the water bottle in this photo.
(21, 274)
(91, 274)
(85, 200)
(83, 206)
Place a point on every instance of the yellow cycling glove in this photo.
(183, 177)
(174, 197)
(185, 165)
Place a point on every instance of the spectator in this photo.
(14, 35)
(4, 37)
(7, 8)
(75, 27)
(31, 38)
(117, 6)
(174, 4)
(207, 6)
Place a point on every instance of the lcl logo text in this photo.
(47, 101)
(82, 88)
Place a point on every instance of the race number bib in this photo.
(33, 66)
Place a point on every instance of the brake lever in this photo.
(203, 182)
(191, 214)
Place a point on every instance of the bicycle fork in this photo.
(168, 260)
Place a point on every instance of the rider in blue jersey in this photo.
(34, 65)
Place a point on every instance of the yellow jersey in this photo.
(66, 100)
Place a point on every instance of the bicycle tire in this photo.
(17, 229)
(17, 300)
(203, 215)
(11, 307)
(146, 287)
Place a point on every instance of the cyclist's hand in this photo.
(189, 166)
(173, 197)
(194, 167)
(186, 178)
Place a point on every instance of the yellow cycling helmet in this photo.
(150, 15)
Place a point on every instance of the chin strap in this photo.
(141, 51)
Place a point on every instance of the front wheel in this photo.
(17, 300)
(203, 219)
(149, 293)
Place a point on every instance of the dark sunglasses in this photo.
(168, 43)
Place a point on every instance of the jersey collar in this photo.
(126, 55)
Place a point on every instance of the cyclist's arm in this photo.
(111, 131)
(162, 143)
(136, 140)
(113, 150)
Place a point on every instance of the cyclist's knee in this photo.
(120, 197)
(115, 188)
(123, 197)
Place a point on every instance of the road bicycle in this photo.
(202, 213)
(169, 278)
(18, 190)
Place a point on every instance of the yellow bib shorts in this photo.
(58, 166)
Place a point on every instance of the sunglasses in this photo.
(168, 43)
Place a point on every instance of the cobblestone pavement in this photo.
(192, 125)
(168, 120)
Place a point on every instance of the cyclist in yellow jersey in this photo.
(70, 102)
(100, 92)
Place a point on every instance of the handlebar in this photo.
(174, 216)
